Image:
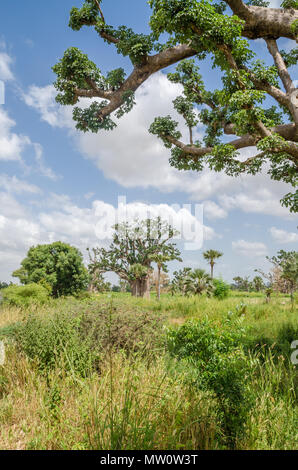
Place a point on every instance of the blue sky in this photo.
(53, 180)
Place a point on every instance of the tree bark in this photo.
(158, 282)
(141, 288)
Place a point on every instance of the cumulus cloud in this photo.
(59, 218)
(282, 236)
(11, 145)
(251, 249)
(43, 100)
(134, 158)
(214, 211)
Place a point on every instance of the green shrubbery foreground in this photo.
(246, 378)
(24, 296)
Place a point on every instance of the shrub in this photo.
(58, 265)
(221, 289)
(80, 336)
(55, 341)
(23, 296)
(278, 343)
(216, 362)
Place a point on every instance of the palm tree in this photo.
(160, 260)
(199, 282)
(210, 256)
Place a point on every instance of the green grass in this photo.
(134, 394)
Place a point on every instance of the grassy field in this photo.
(116, 372)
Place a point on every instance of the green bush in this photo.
(278, 343)
(78, 337)
(216, 362)
(23, 296)
(221, 289)
(58, 266)
(55, 341)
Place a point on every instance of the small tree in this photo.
(162, 279)
(241, 283)
(258, 284)
(221, 289)
(3, 285)
(58, 265)
(160, 260)
(211, 256)
(288, 263)
(179, 282)
(199, 282)
(132, 250)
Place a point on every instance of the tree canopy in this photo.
(256, 106)
(58, 266)
(134, 247)
(211, 256)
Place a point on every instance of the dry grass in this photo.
(130, 406)
(142, 402)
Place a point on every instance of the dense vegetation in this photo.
(255, 104)
(112, 371)
(57, 266)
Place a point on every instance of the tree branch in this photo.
(142, 72)
(280, 65)
(100, 11)
(247, 140)
(263, 22)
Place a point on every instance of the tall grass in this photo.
(139, 397)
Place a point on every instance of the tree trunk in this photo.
(158, 282)
(141, 288)
(212, 266)
(134, 288)
(292, 298)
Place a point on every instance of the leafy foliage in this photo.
(134, 247)
(24, 296)
(221, 289)
(241, 107)
(58, 265)
(3, 285)
(79, 339)
(217, 363)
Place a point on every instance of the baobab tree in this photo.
(257, 105)
(132, 251)
(211, 256)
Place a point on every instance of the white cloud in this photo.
(5, 67)
(282, 236)
(11, 144)
(251, 249)
(60, 219)
(12, 184)
(9, 207)
(12, 147)
(134, 158)
(43, 100)
(42, 168)
(274, 3)
(214, 211)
